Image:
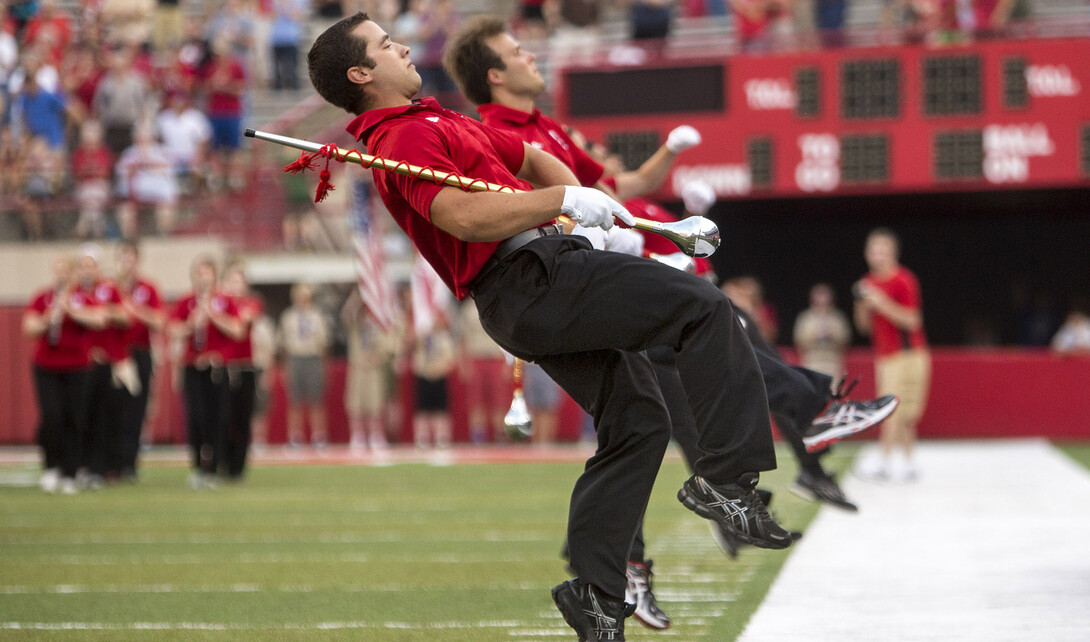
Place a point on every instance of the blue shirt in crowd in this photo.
(43, 115)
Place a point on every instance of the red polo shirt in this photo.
(249, 308)
(68, 350)
(887, 338)
(425, 134)
(545, 134)
(657, 243)
(217, 345)
(111, 342)
(146, 294)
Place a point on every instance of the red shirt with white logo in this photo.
(207, 343)
(249, 308)
(64, 348)
(904, 289)
(544, 133)
(144, 293)
(109, 344)
(425, 134)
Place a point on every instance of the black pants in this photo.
(62, 407)
(243, 390)
(207, 407)
(285, 66)
(132, 416)
(585, 317)
(105, 406)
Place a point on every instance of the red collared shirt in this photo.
(425, 134)
(544, 133)
(143, 293)
(210, 343)
(64, 350)
(249, 309)
(886, 337)
(109, 344)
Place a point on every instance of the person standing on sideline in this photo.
(207, 321)
(60, 320)
(140, 300)
(304, 338)
(888, 307)
(433, 360)
(365, 389)
(240, 372)
(486, 374)
(822, 333)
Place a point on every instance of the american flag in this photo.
(371, 277)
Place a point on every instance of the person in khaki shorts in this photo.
(304, 337)
(888, 307)
(366, 391)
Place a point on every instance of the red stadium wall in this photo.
(974, 393)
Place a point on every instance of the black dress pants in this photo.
(105, 406)
(133, 414)
(206, 402)
(585, 317)
(62, 406)
(243, 392)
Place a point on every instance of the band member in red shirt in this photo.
(113, 380)
(141, 301)
(888, 307)
(584, 316)
(61, 320)
(240, 370)
(207, 321)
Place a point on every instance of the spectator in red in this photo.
(140, 300)
(92, 169)
(992, 15)
(50, 30)
(60, 320)
(206, 320)
(241, 372)
(754, 20)
(81, 72)
(224, 81)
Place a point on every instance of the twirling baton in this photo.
(517, 421)
(695, 236)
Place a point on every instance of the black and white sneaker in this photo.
(639, 592)
(843, 418)
(592, 614)
(823, 489)
(737, 508)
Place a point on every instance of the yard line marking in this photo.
(378, 538)
(234, 626)
(279, 558)
(65, 589)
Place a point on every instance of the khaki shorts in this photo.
(364, 391)
(906, 374)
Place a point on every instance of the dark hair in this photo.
(467, 58)
(335, 52)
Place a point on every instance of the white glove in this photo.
(698, 197)
(682, 138)
(624, 241)
(592, 208)
(596, 235)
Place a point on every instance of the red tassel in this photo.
(324, 186)
(303, 163)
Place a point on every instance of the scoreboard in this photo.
(911, 118)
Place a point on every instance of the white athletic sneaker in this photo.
(873, 469)
(68, 486)
(638, 592)
(50, 480)
(902, 470)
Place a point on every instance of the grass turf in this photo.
(1078, 452)
(410, 552)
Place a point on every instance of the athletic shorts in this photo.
(906, 374)
(488, 384)
(364, 391)
(226, 132)
(431, 395)
(306, 379)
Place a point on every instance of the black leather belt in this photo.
(505, 249)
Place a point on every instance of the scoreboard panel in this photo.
(992, 114)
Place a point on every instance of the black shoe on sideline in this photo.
(822, 489)
(737, 508)
(594, 615)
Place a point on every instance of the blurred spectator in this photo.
(829, 18)
(366, 389)
(22, 12)
(486, 375)
(440, 21)
(92, 169)
(50, 32)
(287, 31)
(42, 173)
(240, 372)
(407, 28)
(9, 57)
(180, 72)
(757, 22)
(991, 16)
(651, 18)
(145, 177)
(543, 400)
(81, 73)
(1037, 323)
(45, 75)
(533, 24)
(303, 338)
(11, 163)
(329, 9)
(578, 29)
(746, 292)
(263, 342)
(185, 132)
(223, 80)
(433, 361)
(122, 99)
(234, 25)
(168, 24)
(127, 21)
(822, 333)
(1074, 335)
(40, 112)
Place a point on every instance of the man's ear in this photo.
(494, 76)
(359, 75)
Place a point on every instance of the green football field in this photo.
(405, 552)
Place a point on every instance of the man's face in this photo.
(394, 74)
(87, 270)
(204, 277)
(881, 253)
(521, 77)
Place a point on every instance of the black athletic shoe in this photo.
(737, 508)
(822, 489)
(639, 592)
(843, 418)
(592, 614)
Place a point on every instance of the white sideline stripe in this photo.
(231, 626)
(989, 546)
(66, 589)
(202, 538)
(278, 558)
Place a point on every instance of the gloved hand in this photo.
(624, 241)
(698, 197)
(596, 235)
(682, 138)
(592, 208)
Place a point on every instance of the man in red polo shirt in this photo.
(207, 321)
(585, 316)
(61, 320)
